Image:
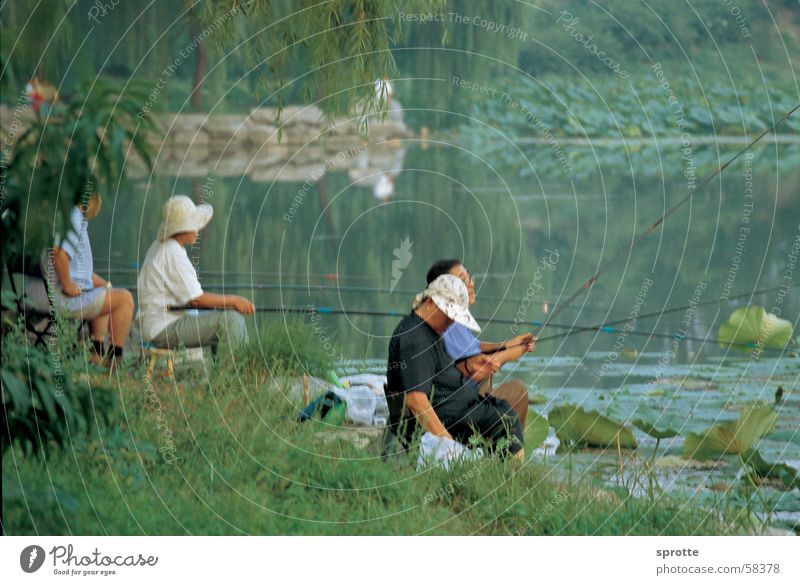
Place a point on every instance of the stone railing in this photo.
(254, 144)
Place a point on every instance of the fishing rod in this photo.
(350, 289)
(332, 311)
(590, 282)
(658, 313)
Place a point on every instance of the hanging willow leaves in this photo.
(753, 325)
(732, 437)
(574, 425)
(306, 50)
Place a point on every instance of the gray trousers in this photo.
(214, 328)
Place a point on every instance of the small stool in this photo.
(157, 355)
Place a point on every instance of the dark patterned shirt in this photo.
(418, 362)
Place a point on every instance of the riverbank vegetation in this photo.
(218, 451)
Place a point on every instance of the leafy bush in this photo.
(43, 404)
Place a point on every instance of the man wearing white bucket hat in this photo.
(168, 279)
(430, 388)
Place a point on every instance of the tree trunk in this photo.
(199, 73)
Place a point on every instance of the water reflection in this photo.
(343, 227)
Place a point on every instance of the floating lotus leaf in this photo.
(786, 473)
(753, 325)
(575, 425)
(657, 424)
(536, 430)
(675, 462)
(734, 436)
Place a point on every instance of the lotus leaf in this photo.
(786, 473)
(754, 326)
(536, 430)
(735, 436)
(658, 424)
(575, 425)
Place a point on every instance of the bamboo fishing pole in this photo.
(582, 329)
(363, 312)
(630, 245)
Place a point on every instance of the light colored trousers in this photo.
(215, 328)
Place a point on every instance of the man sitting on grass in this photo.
(430, 388)
(481, 359)
(168, 279)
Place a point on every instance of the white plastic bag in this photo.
(435, 450)
(376, 383)
(361, 403)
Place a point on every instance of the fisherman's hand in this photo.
(244, 306)
(71, 289)
(482, 366)
(527, 340)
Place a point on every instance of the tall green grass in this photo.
(220, 452)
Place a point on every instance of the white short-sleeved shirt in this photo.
(81, 269)
(167, 278)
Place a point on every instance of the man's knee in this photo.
(514, 392)
(232, 324)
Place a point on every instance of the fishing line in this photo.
(581, 329)
(590, 282)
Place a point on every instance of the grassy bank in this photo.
(219, 452)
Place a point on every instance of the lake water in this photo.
(528, 233)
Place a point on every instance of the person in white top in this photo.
(168, 279)
(79, 293)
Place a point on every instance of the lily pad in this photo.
(536, 430)
(575, 425)
(752, 326)
(537, 399)
(675, 462)
(658, 424)
(730, 437)
(782, 471)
